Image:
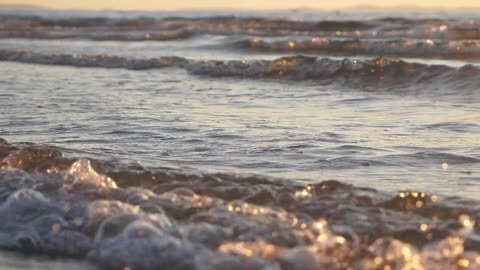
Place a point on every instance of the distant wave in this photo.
(180, 28)
(456, 49)
(381, 71)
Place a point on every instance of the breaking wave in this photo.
(131, 217)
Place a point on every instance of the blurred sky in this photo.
(240, 4)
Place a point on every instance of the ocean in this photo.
(239, 140)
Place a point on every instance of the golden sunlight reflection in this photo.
(307, 192)
(466, 221)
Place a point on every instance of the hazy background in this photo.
(240, 4)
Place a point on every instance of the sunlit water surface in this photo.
(391, 139)
(199, 141)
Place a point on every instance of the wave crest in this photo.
(380, 71)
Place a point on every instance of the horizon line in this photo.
(300, 8)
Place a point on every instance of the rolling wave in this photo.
(378, 71)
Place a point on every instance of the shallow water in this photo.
(210, 139)
(394, 137)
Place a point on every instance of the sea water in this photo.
(274, 140)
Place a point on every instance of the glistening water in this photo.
(203, 141)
